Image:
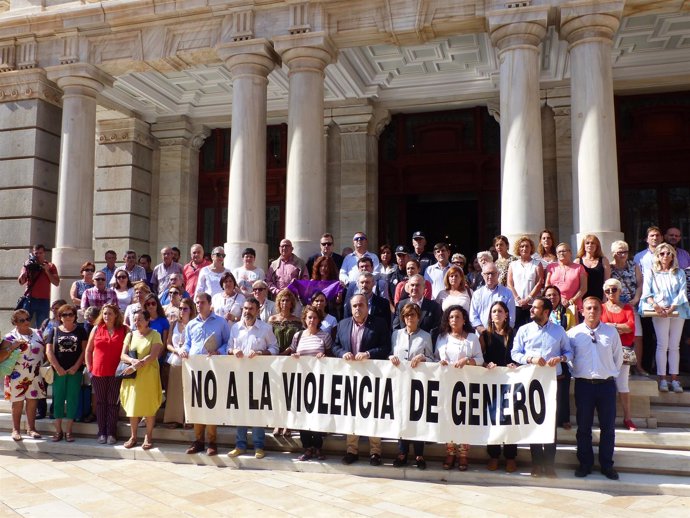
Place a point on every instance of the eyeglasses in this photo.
(664, 254)
(359, 238)
(23, 320)
(621, 252)
(593, 336)
(562, 251)
(185, 308)
(152, 303)
(327, 244)
(611, 290)
(219, 255)
(489, 274)
(88, 270)
(285, 246)
(66, 314)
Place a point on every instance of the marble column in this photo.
(176, 184)
(249, 62)
(123, 176)
(80, 84)
(548, 139)
(306, 56)
(517, 34)
(30, 118)
(589, 29)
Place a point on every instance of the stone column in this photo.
(124, 161)
(307, 56)
(80, 84)
(548, 139)
(30, 115)
(249, 62)
(517, 34)
(589, 29)
(177, 186)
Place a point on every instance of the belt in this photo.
(597, 381)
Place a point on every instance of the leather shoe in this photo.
(375, 459)
(349, 458)
(536, 471)
(511, 466)
(582, 471)
(196, 447)
(492, 465)
(212, 449)
(610, 473)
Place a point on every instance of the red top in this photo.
(626, 316)
(107, 350)
(191, 275)
(41, 286)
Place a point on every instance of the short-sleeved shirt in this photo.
(40, 287)
(67, 346)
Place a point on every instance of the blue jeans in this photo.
(40, 308)
(258, 437)
(601, 398)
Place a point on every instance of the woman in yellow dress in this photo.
(142, 396)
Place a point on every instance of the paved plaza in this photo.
(56, 485)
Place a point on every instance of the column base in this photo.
(233, 254)
(605, 236)
(68, 262)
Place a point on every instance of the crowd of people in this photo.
(589, 318)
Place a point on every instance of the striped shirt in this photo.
(310, 345)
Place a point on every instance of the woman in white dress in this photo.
(209, 276)
(124, 289)
(174, 398)
(525, 279)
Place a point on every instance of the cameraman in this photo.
(38, 274)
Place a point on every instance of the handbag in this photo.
(24, 302)
(123, 366)
(629, 356)
(48, 374)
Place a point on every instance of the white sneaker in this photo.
(675, 385)
(663, 386)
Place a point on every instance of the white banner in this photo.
(374, 398)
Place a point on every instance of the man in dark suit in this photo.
(377, 306)
(359, 338)
(431, 310)
(326, 243)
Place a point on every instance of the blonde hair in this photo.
(519, 241)
(656, 261)
(597, 253)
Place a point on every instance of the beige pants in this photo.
(199, 430)
(353, 445)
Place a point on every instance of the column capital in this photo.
(589, 20)
(84, 76)
(308, 51)
(251, 57)
(130, 129)
(21, 85)
(517, 27)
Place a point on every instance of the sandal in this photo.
(34, 434)
(69, 437)
(449, 462)
(462, 462)
(146, 445)
(57, 437)
(131, 443)
(16, 436)
(307, 455)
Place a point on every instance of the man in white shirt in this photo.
(349, 271)
(597, 360)
(251, 337)
(435, 273)
(485, 296)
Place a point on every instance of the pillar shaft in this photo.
(306, 55)
(589, 30)
(80, 84)
(517, 36)
(249, 62)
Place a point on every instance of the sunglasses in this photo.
(259, 289)
(121, 277)
(664, 254)
(611, 290)
(185, 308)
(359, 238)
(150, 304)
(174, 292)
(66, 314)
(100, 279)
(23, 320)
(88, 270)
(219, 255)
(327, 244)
(593, 337)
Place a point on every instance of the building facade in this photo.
(143, 123)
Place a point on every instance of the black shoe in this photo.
(375, 459)
(421, 463)
(400, 461)
(610, 473)
(349, 458)
(537, 471)
(582, 471)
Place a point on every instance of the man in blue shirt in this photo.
(206, 334)
(484, 297)
(543, 343)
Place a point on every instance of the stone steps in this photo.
(633, 479)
